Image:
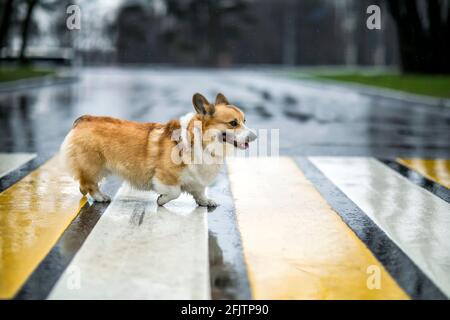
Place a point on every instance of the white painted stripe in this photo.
(11, 161)
(416, 220)
(138, 250)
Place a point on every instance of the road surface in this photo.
(349, 200)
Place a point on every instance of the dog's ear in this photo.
(221, 99)
(201, 105)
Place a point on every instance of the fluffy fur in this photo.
(143, 153)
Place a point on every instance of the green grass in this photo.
(435, 86)
(12, 74)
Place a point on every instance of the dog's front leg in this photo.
(201, 198)
(167, 192)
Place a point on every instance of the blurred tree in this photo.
(423, 33)
(27, 22)
(221, 32)
(31, 4)
(7, 8)
(206, 27)
(136, 28)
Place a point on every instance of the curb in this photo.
(374, 91)
(381, 92)
(37, 82)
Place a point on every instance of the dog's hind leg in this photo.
(86, 166)
(89, 184)
(167, 192)
(94, 191)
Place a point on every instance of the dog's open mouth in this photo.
(231, 139)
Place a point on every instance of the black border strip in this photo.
(242, 309)
(17, 174)
(417, 178)
(407, 274)
(227, 268)
(40, 283)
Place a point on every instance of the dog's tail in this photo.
(65, 152)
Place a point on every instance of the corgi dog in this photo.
(156, 156)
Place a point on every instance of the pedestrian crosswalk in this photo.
(296, 246)
(412, 217)
(34, 212)
(295, 242)
(437, 170)
(141, 251)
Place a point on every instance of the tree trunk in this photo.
(6, 22)
(439, 36)
(422, 50)
(25, 31)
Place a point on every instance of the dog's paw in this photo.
(162, 200)
(207, 203)
(101, 197)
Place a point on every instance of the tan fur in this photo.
(137, 152)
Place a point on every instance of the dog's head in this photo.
(223, 121)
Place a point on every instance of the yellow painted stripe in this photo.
(295, 245)
(437, 170)
(33, 214)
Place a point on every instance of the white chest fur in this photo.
(196, 175)
(199, 175)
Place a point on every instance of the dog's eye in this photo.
(233, 123)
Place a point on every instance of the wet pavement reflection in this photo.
(228, 273)
(313, 120)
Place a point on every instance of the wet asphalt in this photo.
(312, 119)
